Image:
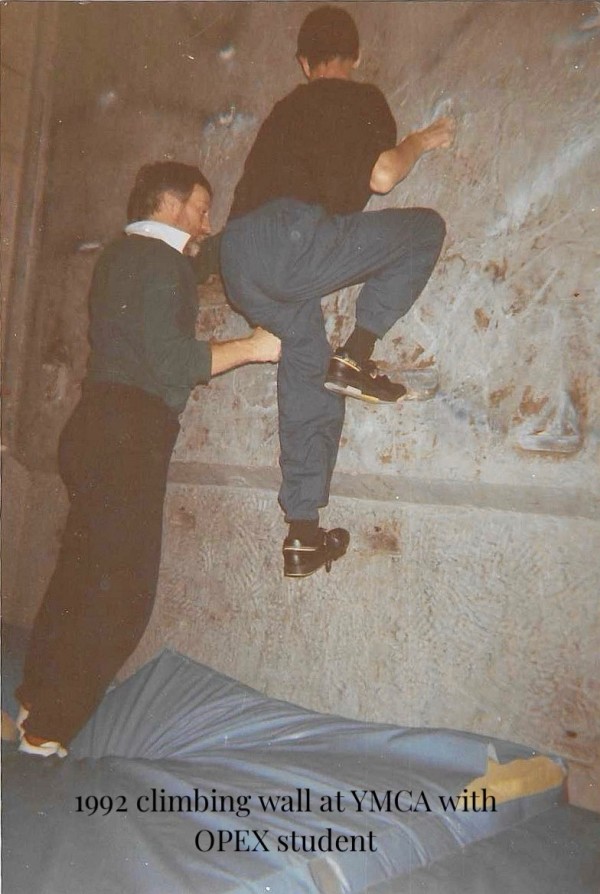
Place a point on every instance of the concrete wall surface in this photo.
(16, 62)
(469, 597)
(509, 319)
(28, 37)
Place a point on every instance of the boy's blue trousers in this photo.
(277, 263)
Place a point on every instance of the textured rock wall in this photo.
(470, 595)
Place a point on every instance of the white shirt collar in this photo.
(155, 229)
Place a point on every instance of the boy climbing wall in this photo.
(297, 232)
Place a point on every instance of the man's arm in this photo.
(260, 347)
(393, 165)
(176, 357)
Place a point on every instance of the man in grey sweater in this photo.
(115, 449)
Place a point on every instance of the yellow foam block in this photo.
(517, 779)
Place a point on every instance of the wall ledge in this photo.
(534, 500)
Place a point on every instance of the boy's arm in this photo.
(393, 165)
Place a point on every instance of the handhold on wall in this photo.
(554, 430)
(420, 383)
(107, 99)
(229, 119)
(227, 52)
(56, 381)
(90, 246)
(591, 21)
(441, 108)
(226, 118)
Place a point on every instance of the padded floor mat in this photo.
(186, 780)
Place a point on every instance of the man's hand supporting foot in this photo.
(260, 347)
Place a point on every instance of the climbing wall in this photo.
(469, 597)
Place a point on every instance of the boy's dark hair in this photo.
(326, 33)
(153, 180)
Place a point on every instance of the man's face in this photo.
(192, 216)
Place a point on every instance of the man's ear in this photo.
(169, 203)
(304, 66)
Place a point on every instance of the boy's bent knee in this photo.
(425, 224)
(432, 223)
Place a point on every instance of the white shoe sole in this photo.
(418, 387)
(47, 749)
(350, 391)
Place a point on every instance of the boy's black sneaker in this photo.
(346, 376)
(301, 559)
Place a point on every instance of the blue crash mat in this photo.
(556, 852)
(187, 781)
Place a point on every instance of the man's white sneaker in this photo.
(21, 718)
(46, 749)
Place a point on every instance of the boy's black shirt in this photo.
(318, 145)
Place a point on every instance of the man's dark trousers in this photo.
(113, 457)
(277, 263)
